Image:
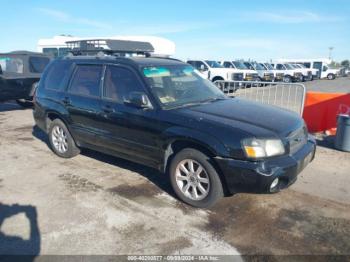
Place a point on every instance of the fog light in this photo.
(274, 183)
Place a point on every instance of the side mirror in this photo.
(324, 69)
(139, 100)
(203, 68)
(0, 70)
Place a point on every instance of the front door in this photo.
(129, 131)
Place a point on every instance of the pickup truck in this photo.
(290, 73)
(264, 74)
(307, 73)
(278, 75)
(248, 74)
(213, 71)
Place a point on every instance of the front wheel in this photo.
(194, 178)
(287, 79)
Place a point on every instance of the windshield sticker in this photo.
(156, 72)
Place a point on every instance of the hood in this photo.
(248, 116)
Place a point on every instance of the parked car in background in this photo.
(248, 74)
(213, 71)
(159, 113)
(264, 74)
(278, 75)
(20, 71)
(325, 71)
(290, 73)
(307, 73)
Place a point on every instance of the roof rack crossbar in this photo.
(109, 47)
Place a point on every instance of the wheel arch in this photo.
(177, 144)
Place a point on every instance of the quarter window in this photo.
(86, 80)
(38, 64)
(54, 79)
(119, 82)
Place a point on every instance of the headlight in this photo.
(259, 148)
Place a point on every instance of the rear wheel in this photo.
(61, 140)
(331, 77)
(194, 179)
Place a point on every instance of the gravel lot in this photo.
(97, 204)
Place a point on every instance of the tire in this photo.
(208, 179)
(287, 79)
(24, 103)
(217, 79)
(65, 148)
(331, 77)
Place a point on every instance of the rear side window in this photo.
(86, 80)
(56, 75)
(38, 64)
(11, 65)
(119, 82)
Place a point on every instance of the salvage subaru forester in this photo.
(160, 113)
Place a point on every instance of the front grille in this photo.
(237, 77)
(297, 74)
(309, 73)
(297, 139)
(279, 75)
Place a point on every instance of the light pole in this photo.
(330, 52)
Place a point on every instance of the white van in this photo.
(264, 74)
(290, 73)
(278, 75)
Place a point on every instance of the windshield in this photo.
(11, 65)
(301, 66)
(213, 64)
(268, 66)
(258, 66)
(240, 65)
(179, 85)
(288, 66)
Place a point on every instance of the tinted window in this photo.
(119, 82)
(279, 67)
(11, 65)
(51, 51)
(57, 73)
(86, 80)
(38, 64)
(228, 65)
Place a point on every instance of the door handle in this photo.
(66, 101)
(107, 109)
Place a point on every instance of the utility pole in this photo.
(330, 52)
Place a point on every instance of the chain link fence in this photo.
(285, 95)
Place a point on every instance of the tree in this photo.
(345, 63)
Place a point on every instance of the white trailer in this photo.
(57, 46)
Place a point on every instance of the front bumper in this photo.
(249, 176)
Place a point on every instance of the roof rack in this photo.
(109, 47)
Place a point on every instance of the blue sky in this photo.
(200, 28)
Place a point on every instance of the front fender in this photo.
(194, 136)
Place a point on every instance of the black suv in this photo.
(160, 113)
(20, 71)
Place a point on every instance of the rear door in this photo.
(82, 101)
(127, 130)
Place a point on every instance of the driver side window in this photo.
(119, 82)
